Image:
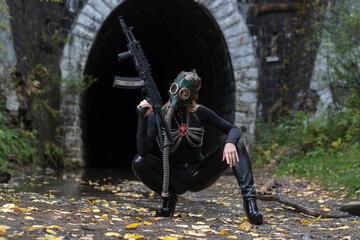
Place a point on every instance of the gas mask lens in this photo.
(174, 88)
(184, 93)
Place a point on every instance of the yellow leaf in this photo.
(317, 219)
(133, 225)
(223, 232)
(167, 238)
(176, 235)
(104, 217)
(3, 229)
(246, 226)
(138, 218)
(54, 226)
(255, 234)
(343, 227)
(30, 228)
(112, 234)
(232, 237)
(268, 210)
(303, 221)
(147, 223)
(29, 218)
(280, 229)
(182, 225)
(51, 231)
(131, 236)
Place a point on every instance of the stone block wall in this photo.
(39, 29)
(275, 70)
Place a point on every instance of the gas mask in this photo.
(182, 89)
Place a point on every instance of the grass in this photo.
(326, 149)
(333, 168)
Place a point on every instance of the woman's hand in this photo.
(230, 154)
(145, 104)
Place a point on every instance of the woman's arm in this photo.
(230, 154)
(208, 116)
(146, 132)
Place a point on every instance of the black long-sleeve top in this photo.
(185, 153)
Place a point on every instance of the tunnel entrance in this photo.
(175, 35)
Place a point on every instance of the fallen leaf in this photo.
(182, 225)
(193, 233)
(255, 234)
(232, 237)
(29, 218)
(54, 226)
(168, 238)
(51, 231)
(317, 219)
(246, 226)
(133, 225)
(31, 228)
(303, 221)
(112, 234)
(223, 232)
(176, 235)
(104, 217)
(3, 229)
(131, 236)
(343, 227)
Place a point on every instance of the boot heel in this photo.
(252, 212)
(168, 208)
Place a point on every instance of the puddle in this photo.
(75, 184)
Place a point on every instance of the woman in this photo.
(189, 169)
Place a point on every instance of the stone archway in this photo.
(231, 70)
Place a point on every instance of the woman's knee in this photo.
(145, 162)
(138, 162)
(240, 146)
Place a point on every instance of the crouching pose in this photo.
(189, 170)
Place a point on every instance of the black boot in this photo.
(252, 212)
(168, 207)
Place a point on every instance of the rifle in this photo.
(145, 81)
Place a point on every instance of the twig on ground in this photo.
(267, 186)
(300, 207)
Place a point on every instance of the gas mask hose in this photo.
(165, 153)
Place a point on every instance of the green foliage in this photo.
(54, 156)
(313, 148)
(336, 169)
(16, 147)
(4, 23)
(77, 86)
(326, 148)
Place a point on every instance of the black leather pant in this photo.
(148, 169)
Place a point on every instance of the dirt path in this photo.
(127, 209)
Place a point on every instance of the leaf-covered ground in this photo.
(126, 210)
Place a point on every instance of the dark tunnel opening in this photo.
(175, 35)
